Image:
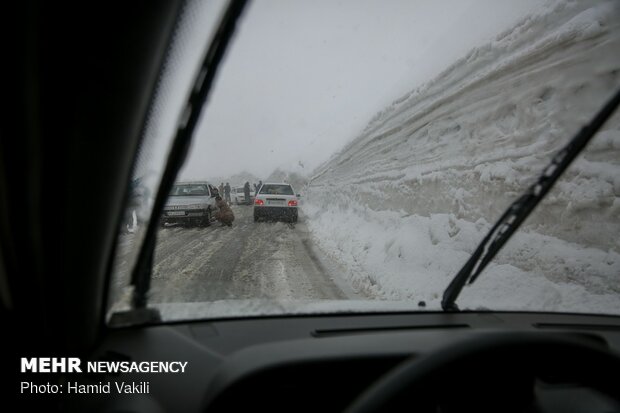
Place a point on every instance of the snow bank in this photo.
(405, 203)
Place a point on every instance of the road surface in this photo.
(251, 260)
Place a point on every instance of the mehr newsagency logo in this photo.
(68, 365)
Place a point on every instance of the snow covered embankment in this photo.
(405, 203)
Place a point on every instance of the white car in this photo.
(276, 200)
(237, 195)
(189, 203)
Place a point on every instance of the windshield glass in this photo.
(274, 189)
(189, 190)
(407, 131)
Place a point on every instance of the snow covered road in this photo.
(250, 261)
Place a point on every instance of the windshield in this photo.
(189, 190)
(407, 131)
(274, 189)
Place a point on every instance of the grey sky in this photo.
(302, 78)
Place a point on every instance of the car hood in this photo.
(187, 200)
(178, 311)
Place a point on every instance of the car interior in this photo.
(78, 81)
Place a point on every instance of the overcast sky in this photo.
(302, 78)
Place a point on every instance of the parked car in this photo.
(276, 200)
(237, 195)
(189, 203)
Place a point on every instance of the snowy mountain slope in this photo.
(297, 180)
(406, 202)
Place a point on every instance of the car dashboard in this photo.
(323, 363)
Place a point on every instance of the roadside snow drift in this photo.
(405, 203)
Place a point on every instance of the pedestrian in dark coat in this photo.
(246, 192)
(224, 213)
(227, 192)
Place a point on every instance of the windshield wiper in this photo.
(141, 275)
(520, 209)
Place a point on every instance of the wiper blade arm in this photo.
(141, 275)
(520, 209)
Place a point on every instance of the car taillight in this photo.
(259, 202)
(292, 202)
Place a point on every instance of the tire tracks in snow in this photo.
(264, 260)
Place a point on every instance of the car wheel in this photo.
(255, 218)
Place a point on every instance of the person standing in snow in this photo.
(221, 189)
(213, 190)
(246, 192)
(138, 200)
(224, 213)
(227, 192)
(260, 183)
